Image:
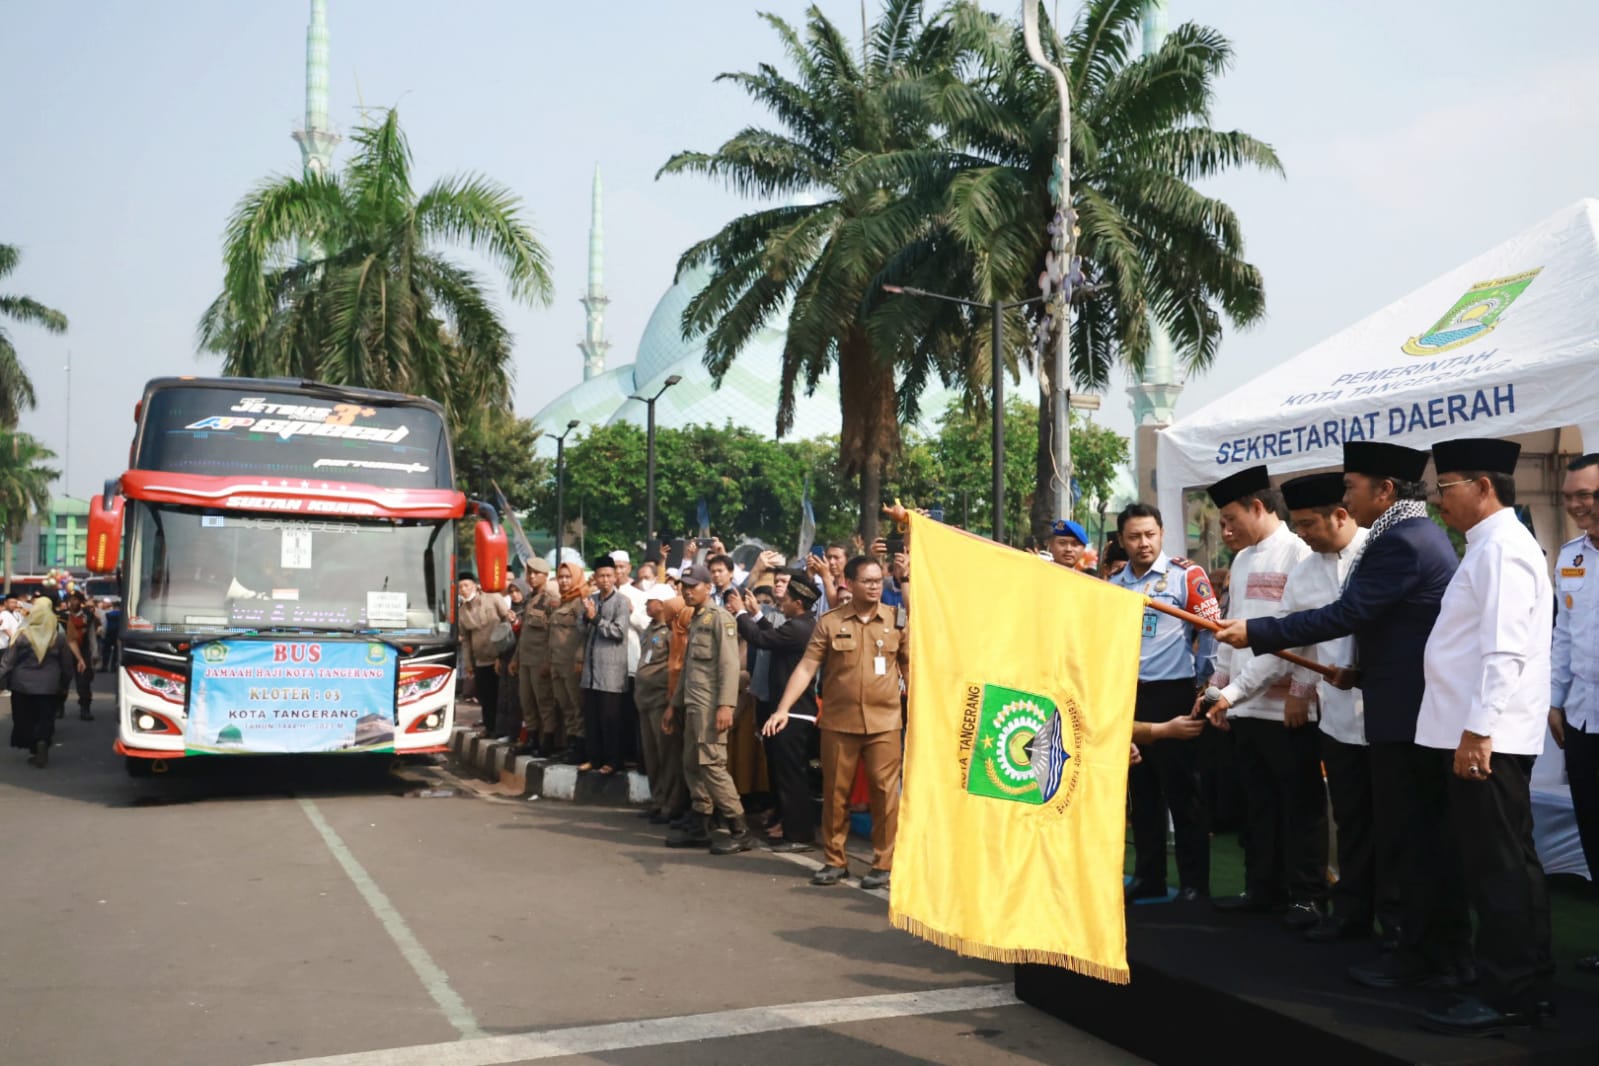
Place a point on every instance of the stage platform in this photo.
(1240, 989)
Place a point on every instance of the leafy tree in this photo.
(342, 278)
(1152, 246)
(965, 450)
(495, 446)
(24, 487)
(16, 388)
(1098, 456)
(817, 260)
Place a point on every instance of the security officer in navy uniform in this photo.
(1169, 672)
(1574, 663)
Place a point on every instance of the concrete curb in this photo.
(493, 761)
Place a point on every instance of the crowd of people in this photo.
(50, 649)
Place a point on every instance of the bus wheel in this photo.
(139, 767)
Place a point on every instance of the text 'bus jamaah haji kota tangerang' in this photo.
(287, 553)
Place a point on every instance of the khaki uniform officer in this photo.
(707, 693)
(652, 691)
(566, 656)
(534, 684)
(862, 650)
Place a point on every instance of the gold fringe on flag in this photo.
(977, 950)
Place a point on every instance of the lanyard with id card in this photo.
(880, 663)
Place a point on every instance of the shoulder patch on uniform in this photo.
(1178, 560)
(729, 628)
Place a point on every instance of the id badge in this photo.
(880, 666)
(1149, 624)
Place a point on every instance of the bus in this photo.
(286, 552)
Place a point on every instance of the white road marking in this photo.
(656, 1032)
(428, 972)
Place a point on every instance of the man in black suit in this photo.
(1389, 604)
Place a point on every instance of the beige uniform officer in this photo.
(534, 685)
(862, 651)
(566, 655)
(706, 695)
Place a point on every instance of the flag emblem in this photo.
(1017, 751)
(1473, 316)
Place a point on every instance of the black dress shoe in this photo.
(792, 847)
(828, 875)
(1470, 1016)
(1138, 888)
(1335, 927)
(659, 818)
(1244, 903)
(1302, 915)
(1189, 894)
(1404, 971)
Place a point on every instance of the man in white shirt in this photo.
(638, 621)
(1285, 851)
(1484, 713)
(1574, 661)
(1317, 513)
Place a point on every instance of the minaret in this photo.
(317, 138)
(594, 345)
(1155, 392)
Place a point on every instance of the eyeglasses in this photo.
(1442, 486)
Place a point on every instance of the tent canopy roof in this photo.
(1507, 343)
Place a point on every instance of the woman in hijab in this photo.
(566, 655)
(37, 668)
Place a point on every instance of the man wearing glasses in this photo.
(1483, 719)
(863, 651)
(1574, 663)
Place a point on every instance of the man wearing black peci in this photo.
(1389, 605)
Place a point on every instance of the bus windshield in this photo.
(188, 569)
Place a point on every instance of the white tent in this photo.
(1505, 345)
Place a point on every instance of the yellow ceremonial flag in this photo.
(1012, 820)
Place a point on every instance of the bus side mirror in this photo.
(105, 531)
(493, 553)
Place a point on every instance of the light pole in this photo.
(560, 491)
(1059, 265)
(996, 311)
(649, 453)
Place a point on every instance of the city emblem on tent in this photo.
(1473, 316)
(1018, 744)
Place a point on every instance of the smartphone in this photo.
(674, 554)
(652, 550)
(896, 544)
(819, 550)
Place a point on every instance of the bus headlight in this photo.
(174, 688)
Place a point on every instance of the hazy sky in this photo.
(1415, 133)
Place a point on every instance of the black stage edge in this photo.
(1241, 989)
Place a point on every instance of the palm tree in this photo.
(370, 300)
(16, 389)
(1152, 246)
(817, 258)
(24, 487)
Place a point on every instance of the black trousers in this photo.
(787, 756)
(1411, 813)
(1166, 780)
(602, 726)
(1285, 853)
(486, 685)
(1504, 879)
(1582, 769)
(83, 681)
(1367, 885)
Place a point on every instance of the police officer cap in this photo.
(538, 565)
(1237, 486)
(800, 588)
(1379, 459)
(1065, 527)
(1314, 490)
(1486, 455)
(696, 575)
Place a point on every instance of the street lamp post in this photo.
(649, 453)
(996, 311)
(560, 491)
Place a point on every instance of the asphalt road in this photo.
(250, 913)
